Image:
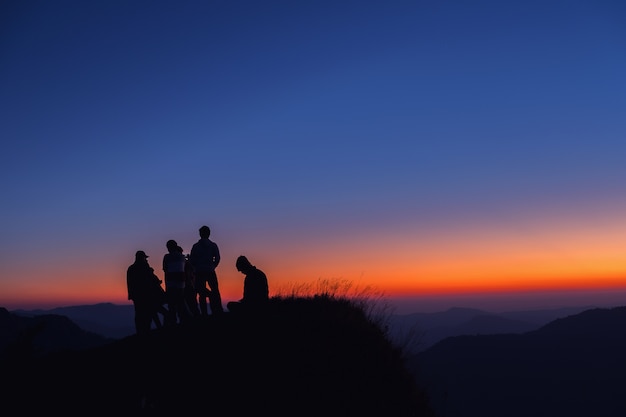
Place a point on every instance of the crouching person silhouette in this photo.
(255, 288)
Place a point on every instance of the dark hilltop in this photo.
(303, 356)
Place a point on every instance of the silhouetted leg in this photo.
(202, 304)
(156, 320)
(182, 311)
(191, 302)
(164, 312)
(170, 319)
(143, 318)
(186, 313)
(215, 298)
(201, 290)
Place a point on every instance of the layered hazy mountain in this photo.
(419, 331)
(415, 332)
(573, 366)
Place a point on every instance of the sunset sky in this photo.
(452, 151)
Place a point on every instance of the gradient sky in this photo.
(430, 148)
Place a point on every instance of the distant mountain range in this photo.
(418, 331)
(414, 332)
(43, 334)
(112, 321)
(573, 366)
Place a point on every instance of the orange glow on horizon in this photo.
(561, 254)
(281, 284)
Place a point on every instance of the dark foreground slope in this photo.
(303, 357)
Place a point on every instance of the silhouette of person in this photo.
(175, 277)
(255, 288)
(144, 289)
(159, 299)
(205, 257)
(191, 296)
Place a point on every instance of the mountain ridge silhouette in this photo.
(43, 334)
(115, 321)
(429, 328)
(573, 366)
(107, 319)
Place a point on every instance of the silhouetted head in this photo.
(243, 264)
(171, 245)
(205, 232)
(140, 255)
(179, 249)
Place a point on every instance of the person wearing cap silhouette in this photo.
(204, 258)
(145, 291)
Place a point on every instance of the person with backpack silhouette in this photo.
(175, 278)
(145, 291)
(255, 288)
(205, 257)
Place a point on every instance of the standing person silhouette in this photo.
(144, 288)
(205, 257)
(255, 288)
(175, 277)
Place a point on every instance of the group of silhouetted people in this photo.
(189, 282)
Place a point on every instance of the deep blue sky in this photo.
(288, 125)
